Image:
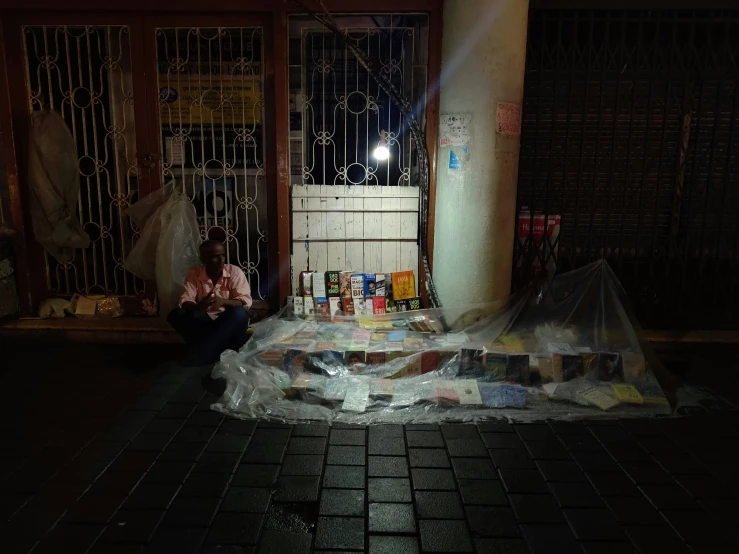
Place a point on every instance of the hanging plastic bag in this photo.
(177, 248)
(142, 259)
(141, 211)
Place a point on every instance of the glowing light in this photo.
(382, 152)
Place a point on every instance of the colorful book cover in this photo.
(359, 306)
(334, 304)
(598, 398)
(354, 357)
(347, 305)
(381, 388)
(468, 392)
(309, 306)
(390, 306)
(356, 398)
(446, 392)
(332, 284)
(325, 346)
(378, 305)
(375, 358)
(408, 305)
(514, 396)
(380, 284)
(404, 285)
(496, 367)
(414, 366)
(389, 288)
(396, 336)
(357, 281)
(323, 312)
(393, 347)
(471, 363)
(610, 367)
(298, 306)
(627, 394)
(491, 395)
(429, 361)
(572, 367)
(305, 285)
(413, 344)
(345, 284)
(295, 362)
(370, 285)
(634, 366)
(378, 337)
(319, 285)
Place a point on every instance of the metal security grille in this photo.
(344, 114)
(84, 74)
(631, 135)
(211, 114)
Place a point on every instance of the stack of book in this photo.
(325, 296)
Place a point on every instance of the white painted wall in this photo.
(359, 228)
(483, 58)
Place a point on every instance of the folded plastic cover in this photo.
(559, 349)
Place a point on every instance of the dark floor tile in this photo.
(306, 445)
(576, 495)
(190, 433)
(474, 468)
(467, 448)
(94, 508)
(167, 473)
(346, 437)
(660, 445)
(205, 419)
(391, 518)
(340, 533)
(235, 529)
(444, 536)
(152, 443)
(283, 542)
(69, 537)
(118, 548)
(163, 425)
(302, 464)
(594, 524)
(679, 464)
(502, 440)
(384, 544)
(261, 453)
(270, 435)
(647, 473)
(428, 457)
(611, 433)
(115, 482)
(205, 485)
(387, 466)
(633, 510)
(433, 479)
(255, 475)
(568, 428)
(528, 481)
(151, 497)
(501, 546)
(512, 459)
(237, 427)
(454, 431)
(613, 483)
(438, 505)
(130, 460)
(342, 502)
(297, 489)
(581, 443)
(217, 462)
(670, 497)
(535, 508)
(310, 430)
(383, 446)
(607, 548)
(132, 526)
(547, 450)
(534, 432)
(388, 489)
(344, 477)
(627, 452)
(177, 539)
(595, 461)
(700, 530)
(491, 521)
(228, 443)
(386, 431)
(656, 540)
(499, 426)
(182, 452)
(346, 455)
(704, 486)
(247, 500)
(549, 539)
(176, 411)
(560, 471)
(482, 493)
(424, 439)
(191, 512)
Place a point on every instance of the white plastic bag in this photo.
(141, 260)
(141, 211)
(177, 248)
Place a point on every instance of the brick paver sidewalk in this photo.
(172, 476)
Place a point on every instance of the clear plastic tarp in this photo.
(562, 349)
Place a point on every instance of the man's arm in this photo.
(240, 290)
(189, 296)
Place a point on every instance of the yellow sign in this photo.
(220, 102)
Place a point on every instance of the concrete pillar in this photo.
(483, 57)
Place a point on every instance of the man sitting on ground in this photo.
(212, 316)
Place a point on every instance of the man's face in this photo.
(214, 257)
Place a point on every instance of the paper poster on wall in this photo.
(225, 101)
(508, 118)
(458, 158)
(455, 129)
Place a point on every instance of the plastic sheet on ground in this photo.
(563, 350)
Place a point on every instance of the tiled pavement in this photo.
(172, 476)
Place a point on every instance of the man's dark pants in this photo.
(206, 338)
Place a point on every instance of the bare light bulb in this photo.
(382, 152)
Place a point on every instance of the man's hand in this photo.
(207, 301)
